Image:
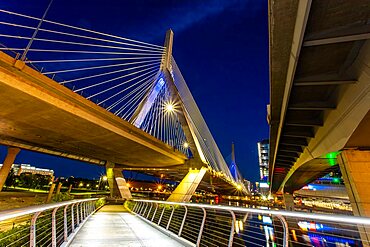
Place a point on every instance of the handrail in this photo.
(220, 225)
(313, 216)
(13, 213)
(55, 222)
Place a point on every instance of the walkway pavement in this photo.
(113, 226)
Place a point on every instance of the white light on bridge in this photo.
(186, 145)
(169, 107)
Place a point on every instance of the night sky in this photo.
(220, 46)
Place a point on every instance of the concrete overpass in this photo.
(320, 90)
(41, 115)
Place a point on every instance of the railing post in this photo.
(160, 218)
(155, 211)
(73, 218)
(150, 209)
(54, 228)
(135, 207)
(183, 221)
(169, 220)
(81, 213)
(202, 227)
(232, 230)
(33, 229)
(146, 206)
(78, 213)
(138, 209)
(65, 223)
(140, 204)
(286, 230)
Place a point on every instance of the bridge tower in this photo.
(191, 181)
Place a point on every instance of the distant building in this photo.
(27, 168)
(248, 185)
(263, 158)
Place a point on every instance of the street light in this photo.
(186, 145)
(105, 178)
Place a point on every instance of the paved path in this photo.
(113, 226)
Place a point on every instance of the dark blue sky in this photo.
(221, 47)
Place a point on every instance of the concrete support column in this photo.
(289, 201)
(187, 186)
(123, 189)
(7, 164)
(117, 183)
(50, 194)
(58, 188)
(355, 168)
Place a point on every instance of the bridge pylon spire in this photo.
(168, 43)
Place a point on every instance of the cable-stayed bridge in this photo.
(104, 99)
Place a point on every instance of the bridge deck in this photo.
(113, 226)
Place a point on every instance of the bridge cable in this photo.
(115, 86)
(96, 67)
(77, 43)
(112, 72)
(148, 78)
(81, 29)
(82, 36)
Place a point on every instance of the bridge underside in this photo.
(37, 113)
(210, 182)
(319, 86)
(308, 173)
(319, 167)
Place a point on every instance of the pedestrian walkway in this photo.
(113, 226)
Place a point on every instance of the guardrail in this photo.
(211, 225)
(47, 225)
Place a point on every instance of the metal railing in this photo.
(213, 225)
(46, 225)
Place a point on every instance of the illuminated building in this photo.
(27, 168)
(263, 158)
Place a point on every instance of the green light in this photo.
(336, 180)
(332, 158)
